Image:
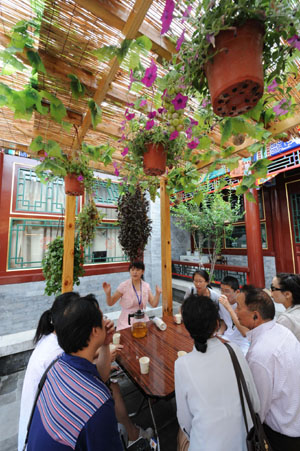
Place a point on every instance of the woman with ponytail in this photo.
(46, 350)
(209, 410)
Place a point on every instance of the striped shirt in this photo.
(74, 410)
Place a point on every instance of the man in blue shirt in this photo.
(75, 409)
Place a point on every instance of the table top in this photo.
(162, 348)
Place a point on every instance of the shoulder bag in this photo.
(256, 439)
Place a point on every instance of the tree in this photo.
(209, 222)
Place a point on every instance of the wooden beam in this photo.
(129, 31)
(69, 236)
(276, 128)
(166, 258)
(116, 17)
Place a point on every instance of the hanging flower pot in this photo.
(235, 74)
(155, 159)
(73, 186)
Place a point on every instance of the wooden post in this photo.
(166, 258)
(254, 244)
(69, 236)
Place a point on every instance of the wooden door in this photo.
(294, 204)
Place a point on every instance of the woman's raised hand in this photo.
(158, 290)
(107, 288)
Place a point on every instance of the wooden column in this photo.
(254, 244)
(69, 236)
(166, 258)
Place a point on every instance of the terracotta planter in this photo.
(235, 74)
(73, 187)
(155, 159)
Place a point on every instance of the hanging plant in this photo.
(135, 225)
(52, 265)
(87, 221)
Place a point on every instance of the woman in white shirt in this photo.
(286, 290)
(208, 403)
(201, 286)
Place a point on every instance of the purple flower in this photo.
(42, 158)
(130, 116)
(149, 124)
(152, 114)
(281, 111)
(80, 178)
(116, 171)
(272, 87)
(173, 135)
(143, 102)
(46, 155)
(193, 144)
(186, 13)
(210, 37)
(188, 133)
(125, 151)
(150, 75)
(193, 122)
(167, 16)
(180, 41)
(123, 137)
(180, 101)
(205, 103)
(294, 41)
(161, 110)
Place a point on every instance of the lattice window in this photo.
(238, 238)
(34, 196)
(295, 202)
(105, 247)
(105, 193)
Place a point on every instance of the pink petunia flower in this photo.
(125, 151)
(187, 12)
(131, 79)
(180, 41)
(143, 102)
(193, 144)
(205, 103)
(294, 41)
(193, 121)
(150, 75)
(162, 110)
(167, 16)
(130, 116)
(272, 87)
(173, 135)
(152, 114)
(116, 171)
(188, 133)
(149, 124)
(180, 102)
(210, 37)
(80, 178)
(278, 110)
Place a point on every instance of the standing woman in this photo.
(286, 290)
(134, 293)
(209, 409)
(201, 286)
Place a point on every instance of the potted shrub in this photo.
(257, 36)
(87, 221)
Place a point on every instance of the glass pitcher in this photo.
(138, 324)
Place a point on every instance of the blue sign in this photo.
(281, 147)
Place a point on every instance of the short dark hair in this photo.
(257, 299)
(137, 264)
(200, 315)
(74, 328)
(232, 282)
(290, 282)
(49, 317)
(202, 273)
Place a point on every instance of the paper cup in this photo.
(144, 365)
(181, 353)
(116, 338)
(178, 318)
(112, 347)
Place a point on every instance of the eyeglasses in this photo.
(275, 288)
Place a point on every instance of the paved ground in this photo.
(10, 393)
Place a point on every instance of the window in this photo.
(105, 247)
(238, 238)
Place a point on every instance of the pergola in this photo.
(70, 31)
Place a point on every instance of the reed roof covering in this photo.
(70, 31)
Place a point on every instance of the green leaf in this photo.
(123, 50)
(53, 149)
(77, 88)
(134, 60)
(226, 130)
(143, 43)
(198, 198)
(58, 112)
(106, 53)
(37, 144)
(250, 197)
(95, 112)
(35, 61)
(12, 61)
(204, 142)
(52, 98)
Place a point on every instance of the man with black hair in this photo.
(234, 332)
(274, 359)
(75, 409)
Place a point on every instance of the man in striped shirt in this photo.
(75, 409)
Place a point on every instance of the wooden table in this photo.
(162, 348)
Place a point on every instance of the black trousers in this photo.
(280, 442)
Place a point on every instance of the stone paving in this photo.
(10, 394)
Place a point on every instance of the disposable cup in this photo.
(144, 365)
(112, 347)
(181, 353)
(116, 338)
(178, 318)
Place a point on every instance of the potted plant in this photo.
(88, 220)
(52, 265)
(258, 37)
(135, 225)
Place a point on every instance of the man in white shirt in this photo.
(234, 332)
(274, 359)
